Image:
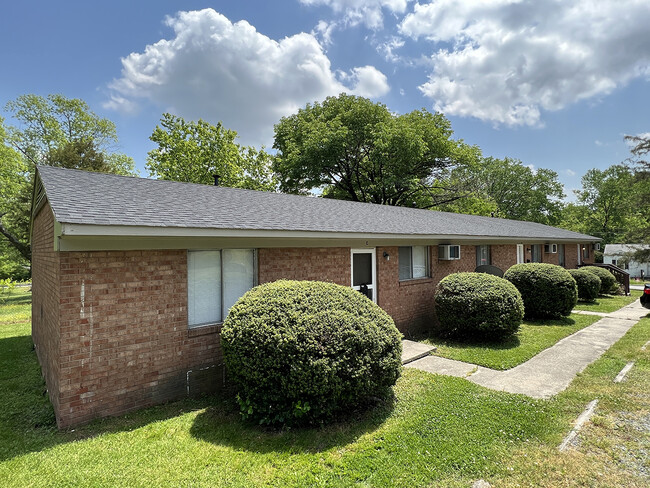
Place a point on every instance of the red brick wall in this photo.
(319, 264)
(504, 255)
(466, 263)
(409, 303)
(124, 337)
(571, 255)
(111, 332)
(45, 300)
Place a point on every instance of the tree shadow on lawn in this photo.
(222, 425)
(561, 321)
(22, 299)
(510, 342)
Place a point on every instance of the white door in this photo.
(364, 276)
(520, 254)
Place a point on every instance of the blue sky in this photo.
(555, 84)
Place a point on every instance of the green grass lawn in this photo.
(609, 303)
(437, 431)
(533, 337)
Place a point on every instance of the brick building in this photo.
(132, 277)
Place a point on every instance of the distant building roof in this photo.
(97, 199)
(620, 249)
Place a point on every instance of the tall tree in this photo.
(640, 233)
(609, 197)
(14, 190)
(352, 148)
(52, 130)
(196, 151)
(507, 188)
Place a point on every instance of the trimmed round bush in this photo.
(303, 351)
(548, 291)
(478, 306)
(608, 283)
(588, 284)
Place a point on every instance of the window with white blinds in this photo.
(215, 281)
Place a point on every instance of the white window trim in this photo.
(427, 253)
(255, 283)
(373, 264)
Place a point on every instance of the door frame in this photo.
(373, 252)
(521, 256)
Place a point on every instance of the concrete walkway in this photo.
(553, 369)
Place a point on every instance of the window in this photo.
(483, 255)
(215, 281)
(614, 262)
(413, 262)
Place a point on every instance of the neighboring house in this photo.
(617, 254)
(133, 277)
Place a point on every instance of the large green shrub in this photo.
(548, 291)
(301, 351)
(608, 283)
(478, 305)
(588, 284)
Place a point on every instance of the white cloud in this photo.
(599, 143)
(220, 71)
(324, 31)
(367, 12)
(389, 47)
(368, 81)
(570, 172)
(507, 60)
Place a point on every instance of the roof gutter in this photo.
(81, 237)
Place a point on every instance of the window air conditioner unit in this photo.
(596, 246)
(448, 252)
(550, 248)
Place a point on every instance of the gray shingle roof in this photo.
(80, 197)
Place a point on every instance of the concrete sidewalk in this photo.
(553, 369)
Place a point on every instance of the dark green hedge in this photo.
(302, 351)
(548, 291)
(588, 284)
(478, 306)
(608, 283)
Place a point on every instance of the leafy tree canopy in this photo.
(608, 196)
(507, 188)
(640, 233)
(352, 148)
(56, 131)
(196, 151)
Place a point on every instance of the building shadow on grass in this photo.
(222, 425)
(27, 421)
